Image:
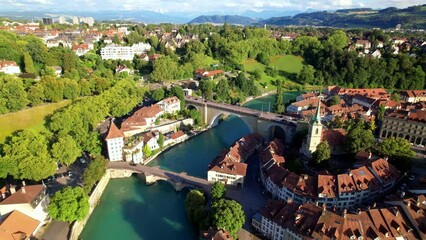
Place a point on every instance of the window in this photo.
(316, 131)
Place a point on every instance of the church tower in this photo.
(315, 132)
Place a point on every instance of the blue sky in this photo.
(199, 6)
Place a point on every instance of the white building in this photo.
(139, 48)
(62, 20)
(228, 173)
(75, 20)
(115, 143)
(133, 152)
(151, 139)
(9, 67)
(117, 52)
(30, 200)
(170, 105)
(122, 30)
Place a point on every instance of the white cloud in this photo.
(199, 6)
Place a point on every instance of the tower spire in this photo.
(317, 117)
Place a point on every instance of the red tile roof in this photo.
(26, 194)
(327, 186)
(177, 134)
(333, 136)
(384, 170)
(114, 132)
(17, 226)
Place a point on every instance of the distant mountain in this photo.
(411, 17)
(219, 19)
(269, 14)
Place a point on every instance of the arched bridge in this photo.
(153, 174)
(264, 123)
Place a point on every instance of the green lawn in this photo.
(288, 66)
(32, 118)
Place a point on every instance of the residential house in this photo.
(307, 96)
(204, 74)
(81, 49)
(58, 70)
(115, 143)
(213, 234)
(170, 105)
(18, 226)
(414, 96)
(141, 48)
(30, 200)
(9, 67)
(365, 44)
(133, 150)
(151, 139)
(229, 167)
(178, 136)
(141, 120)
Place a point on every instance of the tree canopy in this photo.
(94, 172)
(28, 157)
(358, 139)
(65, 150)
(69, 204)
(218, 191)
(322, 152)
(396, 148)
(228, 215)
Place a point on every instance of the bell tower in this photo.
(315, 131)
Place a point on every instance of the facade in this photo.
(170, 105)
(151, 139)
(29, 200)
(115, 143)
(133, 151)
(9, 67)
(47, 20)
(141, 120)
(360, 185)
(140, 48)
(410, 125)
(286, 220)
(117, 52)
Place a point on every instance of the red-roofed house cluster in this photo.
(230, 167)
(289, 220)
(9, 67)
(127, 143)
(204, 74)
(358, 186)
(22, 211)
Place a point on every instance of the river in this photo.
(129, 209)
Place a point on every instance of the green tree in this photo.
(71, 89)
(69, 204)
(178, 92)
(53, 89)
(395, 97)
(160, 140)
(338, 39)
(206, 88)
(381, 112)
(164, 68)
(65, 150)
(306, 75)
(218, 191)
(158, 94)
(27, 153)
(195, 206)
(322, 152)
(94, 172)
(222, 91)
(358, 139)
(29, 64)
(13, 93)
(334, 100)
(227, 215)
(279, 101)
(396, 148)
(146, 150)
(36, 94)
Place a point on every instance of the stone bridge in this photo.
(264, 123)
(154, 174)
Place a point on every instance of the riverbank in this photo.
(167, 148)
(260, 96)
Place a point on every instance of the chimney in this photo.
(358, 211)
(370, 155)
(23, 190)
(3, 196)
(408, 203)
(23, 183)
(344, 212)
(12, 189)
(289, 200)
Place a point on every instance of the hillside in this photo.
(230, 19)
(411, 17)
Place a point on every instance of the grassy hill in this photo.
(288, 67)
(32, 118)
(411, 17)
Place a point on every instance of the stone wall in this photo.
(78, 226)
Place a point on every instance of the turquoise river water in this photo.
(129, 209)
